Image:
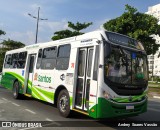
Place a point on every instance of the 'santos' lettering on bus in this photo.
(40, 78)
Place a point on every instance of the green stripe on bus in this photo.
(36, 92)
(20, 78)
(49, 95)
(37, 95)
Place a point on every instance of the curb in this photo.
(156, 97)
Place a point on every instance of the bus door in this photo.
(31, 63)
(85, 61)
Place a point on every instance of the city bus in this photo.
(101, 74)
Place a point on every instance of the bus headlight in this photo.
(107, 95)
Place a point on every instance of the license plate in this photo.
(129, 107)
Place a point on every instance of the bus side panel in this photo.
(42, 94)
(8, 79)
(71, 75)
(42, 85)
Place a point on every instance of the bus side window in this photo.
(14, 61)
(39, 59)
(95, 68)
(63, 57)
(22, 60)
(7, 61)
(49, 58)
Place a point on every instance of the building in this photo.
(154, 60)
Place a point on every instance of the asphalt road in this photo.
(28, 109)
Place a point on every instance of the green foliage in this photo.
(136, 25)
(68, 33)
(130, 9)
(10, 44)
(78, 26)
(7, 45)
(2, 32)
(62, 34)
(155, 79)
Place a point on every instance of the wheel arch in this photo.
(16, 80)
(58, 90)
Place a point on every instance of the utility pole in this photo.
(37, 18)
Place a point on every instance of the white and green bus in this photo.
(101, 74)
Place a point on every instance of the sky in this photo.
(19, 26)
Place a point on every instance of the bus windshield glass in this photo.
(126, 66)
(124, 40)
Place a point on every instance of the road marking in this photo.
(15, 104)
(156, 97)
(47, 119)
(152, 109)
(5, 99)
(52, 124)
(30, 111)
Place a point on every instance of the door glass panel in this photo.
(40, 53)
(87, 94)
(81, 63)
(31, 64)
(89, 62)
(79, 92)
(84, 78)
(80, 81)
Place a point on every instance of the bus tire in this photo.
(16, 93)
(63, 103)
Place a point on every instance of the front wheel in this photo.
(63, 103)
(16, 94)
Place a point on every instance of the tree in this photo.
(11, 44)
(62, 34)
(1, 57)
(2, 32)
(7, 45)
(68, 33)
(136, 25)
(78, 26)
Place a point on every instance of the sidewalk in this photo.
(154, 92)
(158, 97)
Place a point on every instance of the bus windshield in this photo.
(126, 66)
(124, 40)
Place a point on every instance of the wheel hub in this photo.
(63, 103)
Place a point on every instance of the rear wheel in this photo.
(16, 94)
(63, 103)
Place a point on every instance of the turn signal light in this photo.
(92, 110)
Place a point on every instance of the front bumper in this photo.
(108, 108)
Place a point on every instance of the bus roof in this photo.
(97, 34)
(90, 35)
